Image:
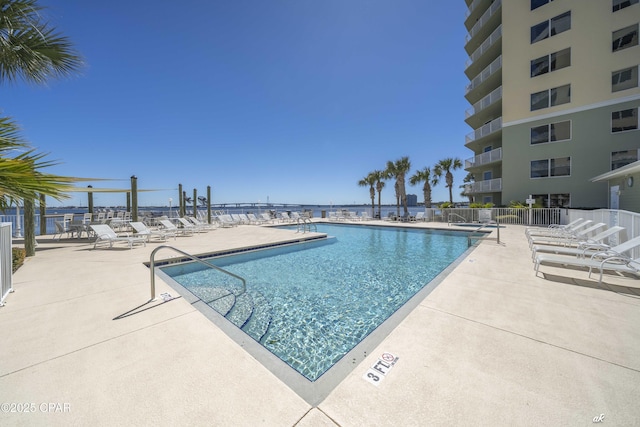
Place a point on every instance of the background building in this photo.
(555, 98)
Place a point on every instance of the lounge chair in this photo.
(419, 216)
(267, 217)
(253, 219)
(61, 229)
(560, 233)
(200, 224)
(569, 238)
(168, 225)
(364, 216)
(104, 233)
(575, 248)
(284, 217)
(142, 230)
(186, 225)
(553, 226)
(226, 220)
(612, 259)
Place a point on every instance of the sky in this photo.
(286, 101)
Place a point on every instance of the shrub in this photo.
(18, 258)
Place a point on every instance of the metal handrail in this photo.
(215, 267)
(455, 215)
(306, 225)
(482, 235)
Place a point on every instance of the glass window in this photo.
(625, 38)
(540, 66)
(561, 23)
(539, 100)
(561, 166)
(559, 200)
(540, 168)
(537, 3)
(561, 59)
(552, 62)
(624, 120)
(624, 79)
(617, 4)
(561, 131)
(487, 175)
(561, 95)
(540, 134)
(623, 158)
(539, 32)
(541, 199)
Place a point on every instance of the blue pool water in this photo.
(312, 303)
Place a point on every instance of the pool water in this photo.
(312, 303)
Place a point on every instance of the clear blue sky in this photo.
(291, 100)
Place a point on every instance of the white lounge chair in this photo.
(553, 228)
(560, 233)
(576, 248)
(142, 230)
(253, 219)
(104, 233)
(168, 225)
(200, 224)
(186, 225)
(569, 238)
(612, 259)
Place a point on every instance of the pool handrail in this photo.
(193, 257)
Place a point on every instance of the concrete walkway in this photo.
(491, 345)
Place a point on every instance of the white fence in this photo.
(6, 281)
(519, 216)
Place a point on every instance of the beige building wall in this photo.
(589, 110)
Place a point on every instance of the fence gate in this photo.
(5, 261)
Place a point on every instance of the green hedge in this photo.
(18, 258)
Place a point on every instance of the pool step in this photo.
(220, 299)
(241, 310)
(260, 320)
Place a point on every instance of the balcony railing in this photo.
(484, 158)
(483, 20)
(484, 47)
(485, 130)
(485, 74)
(472, 7)
(493, 97)
(488, 186)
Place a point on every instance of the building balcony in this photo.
(484, 159)
(484, 131)
(474, 10)
(487, 107)
(481, 29)
(491, 44)
(491, 72)
(489, 186)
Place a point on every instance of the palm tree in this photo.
(398, 170)
(429, 180)
(469, 179)
(379, 177)
(445, 166)
(369, 181)
(31, 51)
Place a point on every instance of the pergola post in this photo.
(134, 198)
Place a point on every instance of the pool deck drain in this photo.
(492, 344)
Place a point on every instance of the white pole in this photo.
(18, 228)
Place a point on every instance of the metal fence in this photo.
(6, 282)
(518, 216)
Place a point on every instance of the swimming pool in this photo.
(310, 304)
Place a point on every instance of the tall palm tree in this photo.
(369, 181)
(445, 166)
(429, 180)
(31, 51)
(468, 179)
(379, 178)
(398, 170)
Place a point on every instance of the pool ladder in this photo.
(305, 225)
(193, 257)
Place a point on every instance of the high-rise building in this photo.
(554, 98)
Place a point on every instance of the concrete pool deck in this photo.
(492, 344)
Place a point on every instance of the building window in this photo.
(552, 132)
(623, 158)
(624, 120)
(624, 38)
(560, 166)
(537, 3)
(552, 62)
(561, 200)
(551, 97)
(487, 175)
(617, 4)
(624, 79)
(550, 28)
